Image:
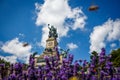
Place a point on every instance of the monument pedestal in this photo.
(50, 51)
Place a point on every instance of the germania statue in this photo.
(52, 32)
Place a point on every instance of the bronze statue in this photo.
(64, 53)
(52, 32)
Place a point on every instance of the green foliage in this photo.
(7, 64)
(116, 57)
(35, 53)
(95, 54)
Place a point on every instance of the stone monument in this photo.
(51, 45)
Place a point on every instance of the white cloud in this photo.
(114, 34)
(16, 48)
(109, 31)
(12, 59)
(72, 46)
(56, 12)
(113, 45)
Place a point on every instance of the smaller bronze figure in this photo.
(64, 53)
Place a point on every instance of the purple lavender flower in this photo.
(94, 77)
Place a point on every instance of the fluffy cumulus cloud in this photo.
(59, 14)
(72, 46)
(109, 31)
(16, 48)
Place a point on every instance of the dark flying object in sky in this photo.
(25, 44)
(93, 8)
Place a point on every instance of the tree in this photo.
(7, 64)
(116, 57)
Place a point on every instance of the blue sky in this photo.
(79, 29)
